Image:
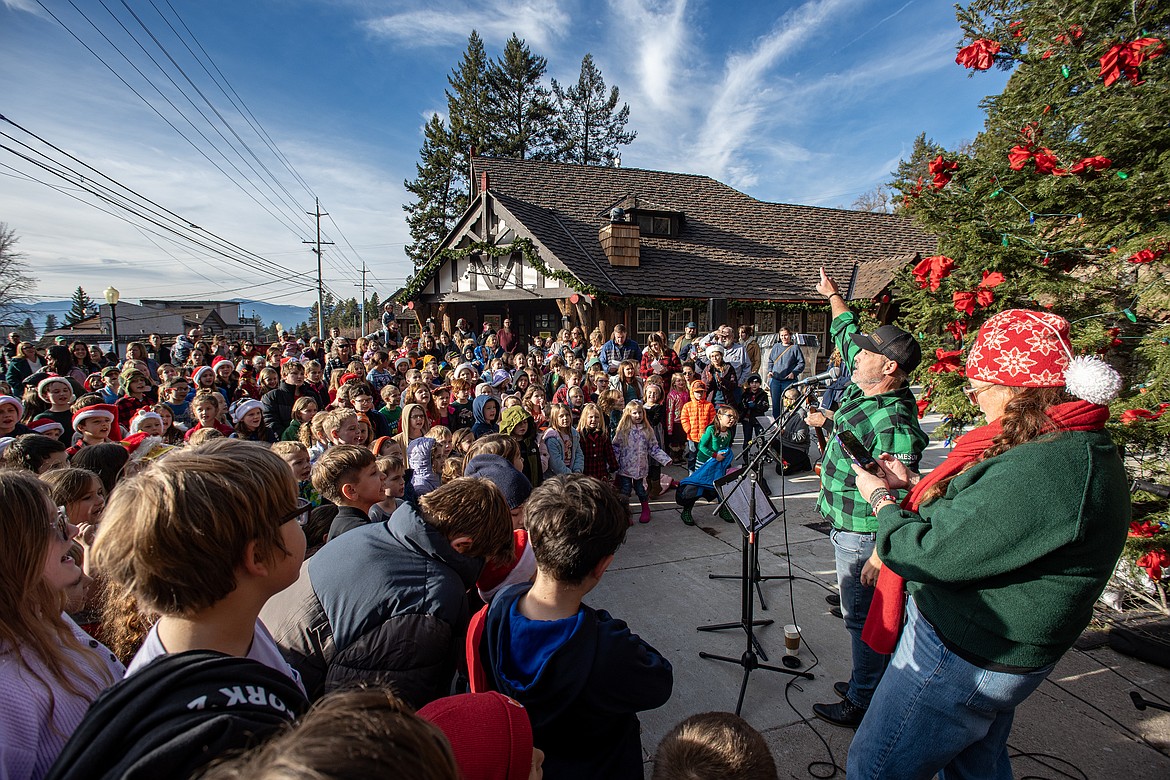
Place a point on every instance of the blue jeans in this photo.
(852, 550)
(776, 389)
(625, 483)
(936, 713)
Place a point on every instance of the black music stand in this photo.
(741, 491)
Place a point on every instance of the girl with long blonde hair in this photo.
(634, 444)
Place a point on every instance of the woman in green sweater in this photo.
(1004, 549)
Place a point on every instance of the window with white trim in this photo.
(648, 321)
(676, 322)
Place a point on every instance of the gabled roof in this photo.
(731, 245)
(873, 276)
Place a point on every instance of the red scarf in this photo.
(887, 611)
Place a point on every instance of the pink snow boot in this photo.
(645, 516)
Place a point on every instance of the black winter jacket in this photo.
(383, 603)
(278, 404)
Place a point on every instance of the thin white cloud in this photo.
(28, 6)
(741, 98)
(655, 33)
(438, 23)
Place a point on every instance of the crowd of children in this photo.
(220, 542)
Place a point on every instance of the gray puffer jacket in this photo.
(384, 604)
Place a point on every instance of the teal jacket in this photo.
(1007, 564)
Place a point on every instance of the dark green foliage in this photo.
(522, 110)
(590, 126)
(1061, 241)
(82, 307)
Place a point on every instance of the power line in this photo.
(117, 199)
(154, 108)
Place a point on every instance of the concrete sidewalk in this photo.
(1082, 718)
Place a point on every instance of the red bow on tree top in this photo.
(1096, 163)
(1153, 562)
(980, 55)
(941, 170)
(1125, 58)
(932, 270)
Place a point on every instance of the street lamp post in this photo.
(112, 297)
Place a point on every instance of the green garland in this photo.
(528, 251)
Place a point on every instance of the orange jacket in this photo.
(696, 416)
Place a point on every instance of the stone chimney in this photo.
(621, 242)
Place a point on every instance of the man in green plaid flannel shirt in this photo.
(879, 409)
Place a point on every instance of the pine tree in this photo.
(50, 322)
(522, 111)
(1060, 204)
(27, 330)
(469, 106)
(82, 306)
(441, 187)
(590, 126)
(439, 190)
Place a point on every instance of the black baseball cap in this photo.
(894, 343)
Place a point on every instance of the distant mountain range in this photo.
(287, 316)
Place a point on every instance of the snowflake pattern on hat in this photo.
(1014, 362)
(1021, 348)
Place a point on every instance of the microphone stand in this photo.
(750, 577)
(765, 441)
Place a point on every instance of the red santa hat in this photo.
(199, 372)
(142, 447)
(96, 411)
(221, 361)
(490, 734)
(47, 426)
(495, 577)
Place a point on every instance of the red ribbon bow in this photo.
(957, 329)
(1146, 256)
(1130, 415)
(1144, 530)
(964, 302)
(980, 55)
(1124, 59)
(1095, 163)
(1043, 157)
(1153, 562)
(947, 361)
(931, 271)
(941, 170)
(981, 296)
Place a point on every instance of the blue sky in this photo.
(811, 102)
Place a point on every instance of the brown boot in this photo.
(654, 489)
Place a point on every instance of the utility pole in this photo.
(320, 285)
(362, 328)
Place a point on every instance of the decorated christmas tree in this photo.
(1061, 203)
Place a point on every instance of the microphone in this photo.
(832, 375)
